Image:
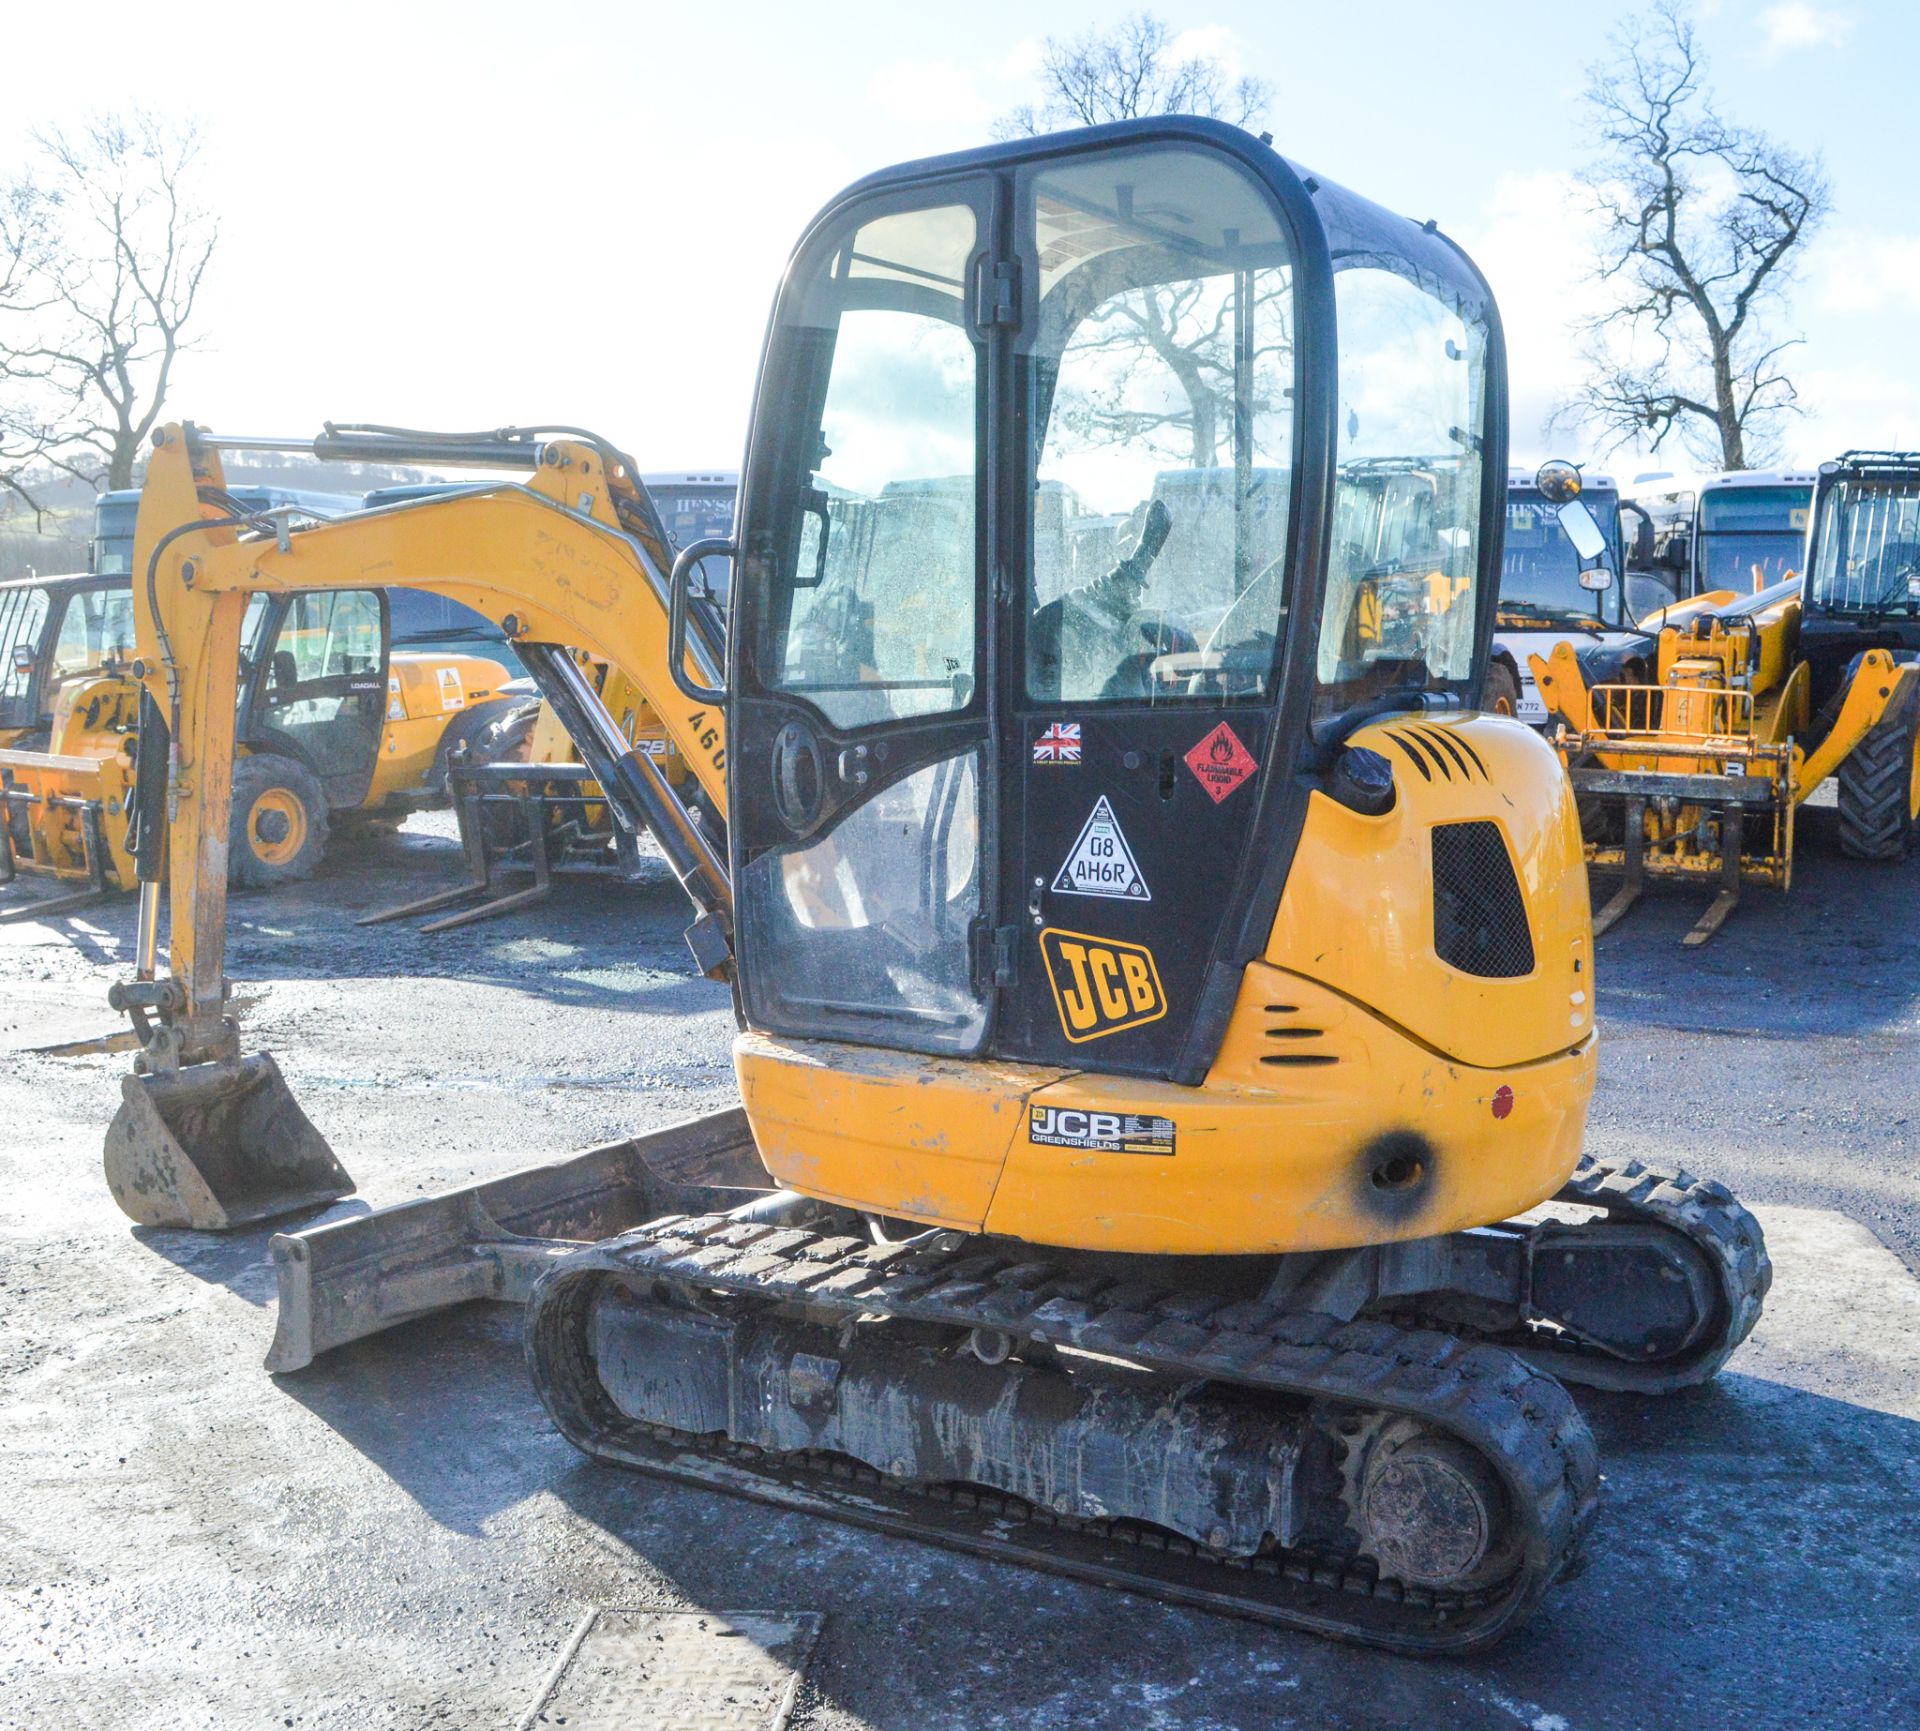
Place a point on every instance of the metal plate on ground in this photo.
(678, 1671)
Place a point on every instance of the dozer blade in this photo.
(350, 1278)
(217, 1146)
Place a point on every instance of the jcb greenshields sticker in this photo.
(1102, 1132)
(1100, 985)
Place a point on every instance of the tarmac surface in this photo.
(396, 1537)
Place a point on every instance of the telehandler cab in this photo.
(1161, 1003)
(1755, 701)
(333, 727)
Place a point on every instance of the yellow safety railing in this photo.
(1682, 712)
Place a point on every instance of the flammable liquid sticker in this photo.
(1100, 1132)
(1100, 863)
(1220, 762)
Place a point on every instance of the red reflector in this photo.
(1502, 1101)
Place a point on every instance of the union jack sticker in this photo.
(1059, 744)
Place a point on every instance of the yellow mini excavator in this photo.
(1755, 701)
(331, 727)
(1165, 1004)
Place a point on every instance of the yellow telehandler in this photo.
(1163, 999)
(1755, 701)
(332, 728)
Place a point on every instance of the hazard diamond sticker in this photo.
(1101, 863)
(1220, 762)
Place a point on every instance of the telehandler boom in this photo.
(1163, 999)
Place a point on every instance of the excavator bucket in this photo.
(212, 1147)
(350, 1278)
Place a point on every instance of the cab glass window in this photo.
(868, 924)
(1159, 383)
(1751, 537)
(23, 620)
(870, 609)
(95, 630)
(1402, 566)
(1867, 557)
(329, 636)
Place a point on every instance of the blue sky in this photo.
(468, 215)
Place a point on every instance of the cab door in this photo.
(1156, 375)
(317, 691)
(863, 774)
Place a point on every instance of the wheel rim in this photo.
(277, 827)
(1502, 705)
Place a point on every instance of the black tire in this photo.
(507, 738)
(1879, 782)
(490, 732)
(1502, 695)
(278, 829)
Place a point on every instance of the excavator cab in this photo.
(993, 702)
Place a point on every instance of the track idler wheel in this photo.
(1426, 1508)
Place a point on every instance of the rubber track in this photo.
(1516, 1416)
(1708, 1216)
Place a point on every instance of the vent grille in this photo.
(1438, 751)
(1479, 916)
(1295, 1058)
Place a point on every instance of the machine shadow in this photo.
(305, 930)
(1741, 1525)
(239, 1261)
(441, 1405)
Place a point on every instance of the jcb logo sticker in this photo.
(1100, 1132)
(1101, 986)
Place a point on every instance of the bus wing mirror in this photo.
(1576, 521)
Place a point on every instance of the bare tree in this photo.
(107, 289)
(1700, 222)
(1128, 71)
(1122, 73)
(24, 437)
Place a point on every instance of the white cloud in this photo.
(1872, 273)
(1023, 59)
(1801, 24)
(1210, 42)
(1854, 408)
(928, 93)
(1535, 244)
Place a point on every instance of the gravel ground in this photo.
(396, 1537)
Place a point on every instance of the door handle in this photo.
(799, 777)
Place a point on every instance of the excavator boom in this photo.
(570, 562)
